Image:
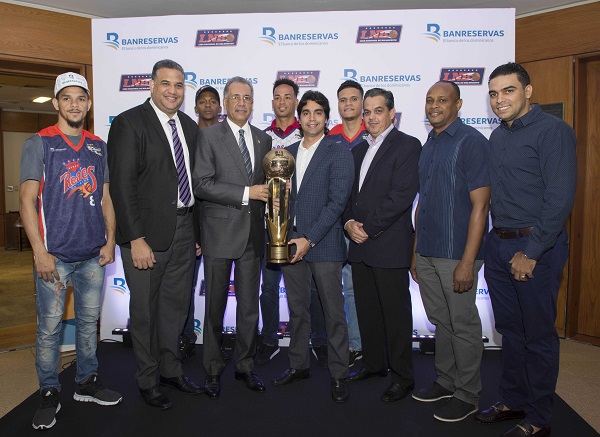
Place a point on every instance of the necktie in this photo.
(183, 182)
(245, 154)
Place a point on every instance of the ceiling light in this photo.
(41, 99)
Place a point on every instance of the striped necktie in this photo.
(245, 154)
(183, 181)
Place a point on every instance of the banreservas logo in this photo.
(135, 82)
(190, 80)
(271, 37)
(482, 123)
(120, 286)
(463, 75)
(217, 37)
(377, 79)
(378, 34)
(457, 35)
(302, 78)
(137, 42)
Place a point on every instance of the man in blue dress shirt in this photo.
(452, 217)
(533, 177)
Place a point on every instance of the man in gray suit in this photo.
(229, 178)
(320, 190)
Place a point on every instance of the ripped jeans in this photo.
(87, 278)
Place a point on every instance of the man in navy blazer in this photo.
(320, 189)
(150, 157)
(378, 221)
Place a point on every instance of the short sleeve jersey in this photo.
(71, 179)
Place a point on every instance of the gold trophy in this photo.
(279, 166)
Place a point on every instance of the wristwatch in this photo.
(310, 243)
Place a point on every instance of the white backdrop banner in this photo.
(404, 51)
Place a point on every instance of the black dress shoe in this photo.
(496, 413)
(252, 381)
(291, 375)
(395, 392)
(524, 429)
(212, 386)
(339, 390)
(181, 383)
(156, 398)
(362, 374)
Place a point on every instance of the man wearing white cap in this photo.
(69, 219)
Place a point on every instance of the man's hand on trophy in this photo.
(302, 247)
(356, 232)
(259, 192)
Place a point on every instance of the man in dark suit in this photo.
(150, 157)
(228, 177)
(320, 190)
(378, 221)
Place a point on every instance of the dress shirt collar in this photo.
(524, 120)
(162, 117)
(375, 141)
(236, 129)
(450, 130)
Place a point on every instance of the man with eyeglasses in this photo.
(229, 179)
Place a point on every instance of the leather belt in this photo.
(185, 210)
(510, 234)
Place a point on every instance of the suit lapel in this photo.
(155, 123)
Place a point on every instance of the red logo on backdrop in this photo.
(217, 37)
(463, 75)
(135, 82)
(378, 34)
(302, 78)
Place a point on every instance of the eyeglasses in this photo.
(239, 98)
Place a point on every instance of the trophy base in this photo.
(278, 254)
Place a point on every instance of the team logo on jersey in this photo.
(302, 78)
(217, 37)
(135, 82)
(378, 34)
(463, 76)
(96, 150)
(78, 179)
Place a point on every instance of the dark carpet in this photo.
(303, 408)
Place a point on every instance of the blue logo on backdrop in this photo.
(110, 119)
(433, 32)
(112, 40)
(378, 34)
(473, 35)
(482, 294)
(381, 80)
(140, 42)
(190, 80)
(270, 36)
(482, 123)
(120, 286)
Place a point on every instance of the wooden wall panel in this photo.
(560, 33)
(35, 33)
(552, 82)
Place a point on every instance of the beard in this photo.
(75, 124)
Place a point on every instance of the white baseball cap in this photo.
(70, 79)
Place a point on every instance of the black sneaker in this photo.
(354, 356)
(45, 415)
(455, 410)
(433, 393)
(92, 390)
(265, 353)
(320, 353)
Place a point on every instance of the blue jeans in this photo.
(87, 278)
(348, 290)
